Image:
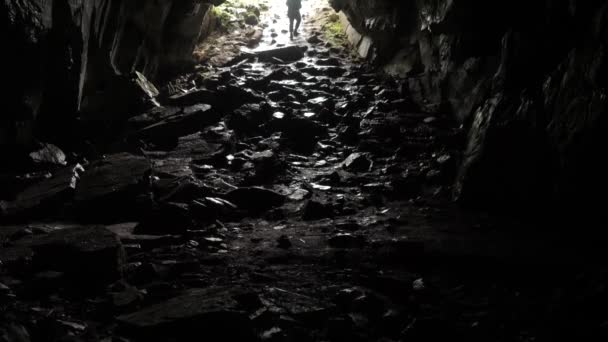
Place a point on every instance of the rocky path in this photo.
(292, 195)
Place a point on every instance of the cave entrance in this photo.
(252, 26)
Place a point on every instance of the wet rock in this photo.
(255, 199)
(255, 38)
(330, 71)
(181, 190)
(407, 184)
(47, 283)
(48, 193)
(346, 240)
(213, 313)
(251, 19)
(329, 61)
(302, 134)
(283, 242)
(191, 119)
(151, 117)
(194, 97)
(127, 298)
(210, 207)
(314, 40)
(316, 209)
(349, 134)
(349, 225)
(195, 147)
(167, 218)
(172, 167)
(93, 255)
(143, 88)
(399, 249)
(248, 118)
(13, 332)
(286, 54)
(357, 162)
(299, 195)
(127, 233)
(296, 305)
(15, 258)
(117, 179)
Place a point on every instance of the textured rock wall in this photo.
(526, 78)
(68, 55)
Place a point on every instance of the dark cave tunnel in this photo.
(415, 170)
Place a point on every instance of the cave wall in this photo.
(69, 56)
(526, 78)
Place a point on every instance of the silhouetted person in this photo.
(293, 12)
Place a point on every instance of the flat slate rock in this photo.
(281, 301)
(190, 120)
(116, 174)
(151, 117)
(172, 167)
(213, 313)
(126, 234)
(191, 147)
(286, 54)
(90, 253)
(62, 182)
(194, 97)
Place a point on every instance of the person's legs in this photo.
(298, 18)
(291, 19)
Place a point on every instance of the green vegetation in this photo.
(234, 13)
(223, 16)
(334, 31)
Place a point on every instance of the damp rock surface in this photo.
(289, 193)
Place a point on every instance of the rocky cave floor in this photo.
(294, 195)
